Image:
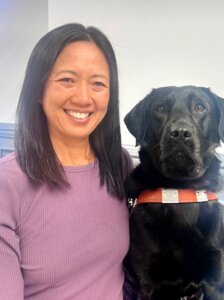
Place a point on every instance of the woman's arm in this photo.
(11, 280)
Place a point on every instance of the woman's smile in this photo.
(78, 116)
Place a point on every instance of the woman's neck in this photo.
(75, 153)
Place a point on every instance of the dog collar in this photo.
(175, 196)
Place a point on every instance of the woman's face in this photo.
(76, 93)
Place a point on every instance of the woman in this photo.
(63, 222)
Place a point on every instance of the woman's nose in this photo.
(82, 94)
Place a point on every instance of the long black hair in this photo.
(35, 152)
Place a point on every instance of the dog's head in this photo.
(179, 127)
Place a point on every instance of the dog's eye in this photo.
(199, 107)
(160, 108)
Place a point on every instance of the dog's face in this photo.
(180, 128)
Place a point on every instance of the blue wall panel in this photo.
(6, 138)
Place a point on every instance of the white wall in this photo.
(157, 42)
(22, 23)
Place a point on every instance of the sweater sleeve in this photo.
(11, 280)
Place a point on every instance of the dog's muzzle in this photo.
(180, 155)
(180, 166)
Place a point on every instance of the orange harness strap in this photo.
(176, 196)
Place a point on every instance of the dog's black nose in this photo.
(180, 133)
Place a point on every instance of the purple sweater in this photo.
(60, 245)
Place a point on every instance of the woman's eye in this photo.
(99, 83)
(66, 79)
(199, 107)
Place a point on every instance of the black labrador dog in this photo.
(176, 227)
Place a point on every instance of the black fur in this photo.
(176, 250)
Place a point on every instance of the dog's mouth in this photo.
(182, 166)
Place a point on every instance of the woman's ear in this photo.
(136, 120)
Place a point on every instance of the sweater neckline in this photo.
(84, 168)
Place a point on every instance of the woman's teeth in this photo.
(77, 115)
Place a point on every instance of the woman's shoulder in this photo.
(9, 162)
(13, 183)
(10, 170)
(127, 161)
(9, 157)
(126, 154)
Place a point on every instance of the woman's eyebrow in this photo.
(75, 73)
(100, 76)
(66, 71)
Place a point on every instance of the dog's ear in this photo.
(135, 120)
(220, 104)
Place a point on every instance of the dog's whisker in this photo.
(155, 146)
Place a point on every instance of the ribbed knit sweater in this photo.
(60, 244)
